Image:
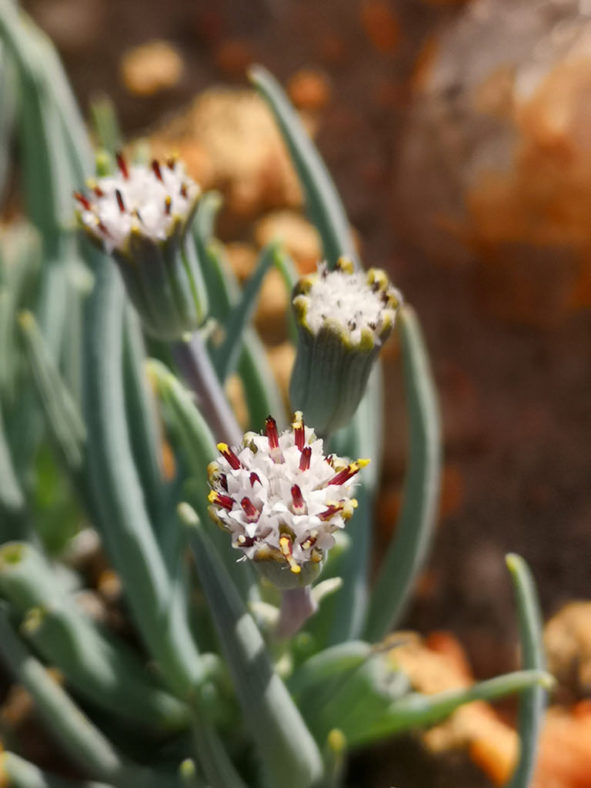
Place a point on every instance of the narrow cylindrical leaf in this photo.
(407, 550)
(66, 722)
(290, 757)
(125, 524)
(16, 772)
(322, 200)
(94, 664)
(227, 354)
(62, 415)
(533, 700)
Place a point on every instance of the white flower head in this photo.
(140, 216)
(281, 499)
(343, 318)
(154, 202)
(360, 306)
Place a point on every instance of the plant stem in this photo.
(297, 605)
(197, 369)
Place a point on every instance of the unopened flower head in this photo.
(140, 215)
(343, 317)
(359, 306)
(282, 500)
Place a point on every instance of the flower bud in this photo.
(281, 499)
(343, 318)
(140, 215)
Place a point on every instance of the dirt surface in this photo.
(515, 397)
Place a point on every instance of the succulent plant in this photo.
(221, 676)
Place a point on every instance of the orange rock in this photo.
(235, 393)
(234, 56)
(281, 358)
(309, 89)
(452, 491)
(242, 258)
(380, 24)
(238, 151)
(564, 759)
(298, 236)
(151, 67)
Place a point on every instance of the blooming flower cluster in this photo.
(151, 201)
(282, 500)
(140, 216)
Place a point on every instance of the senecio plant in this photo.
(253, 650)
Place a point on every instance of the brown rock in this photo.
(150, 68)
(309, 89)
(298, 236)
(239, 151)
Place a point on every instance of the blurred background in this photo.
(459, 135)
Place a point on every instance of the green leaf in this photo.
(374, 702)
(12, 500)
(262, 393)
(63, 418)
(20, 773)
(154, 601)
(533, 700)
(322, 200)
(142, 420)
(106, 125)
(290, 275)
(405, 555)
(226, 355)
(66, 722)
(97, 666)
(290, 757)
(124, 521)
(199, 449)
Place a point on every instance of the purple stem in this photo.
(196, 367)
(297, 605)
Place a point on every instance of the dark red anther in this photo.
(184, 192)
(254, 477)
(299, 434)
(98, 191)
(156, 170)
(167, 205)
(122, 164)
(227, 452)
(330, 510)
(249, 509)
(103, 228)
(305, 458)
(84, 201)
(223, 480)
(342, 476)
(298, 500)
(171, 162)
(271, 430)
(120, 202)
(224, 501)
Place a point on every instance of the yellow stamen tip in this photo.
(222, 447)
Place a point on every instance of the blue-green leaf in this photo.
(533, 700)
(322, 200)
(406, 552)
(290, 757)
(226, 355)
